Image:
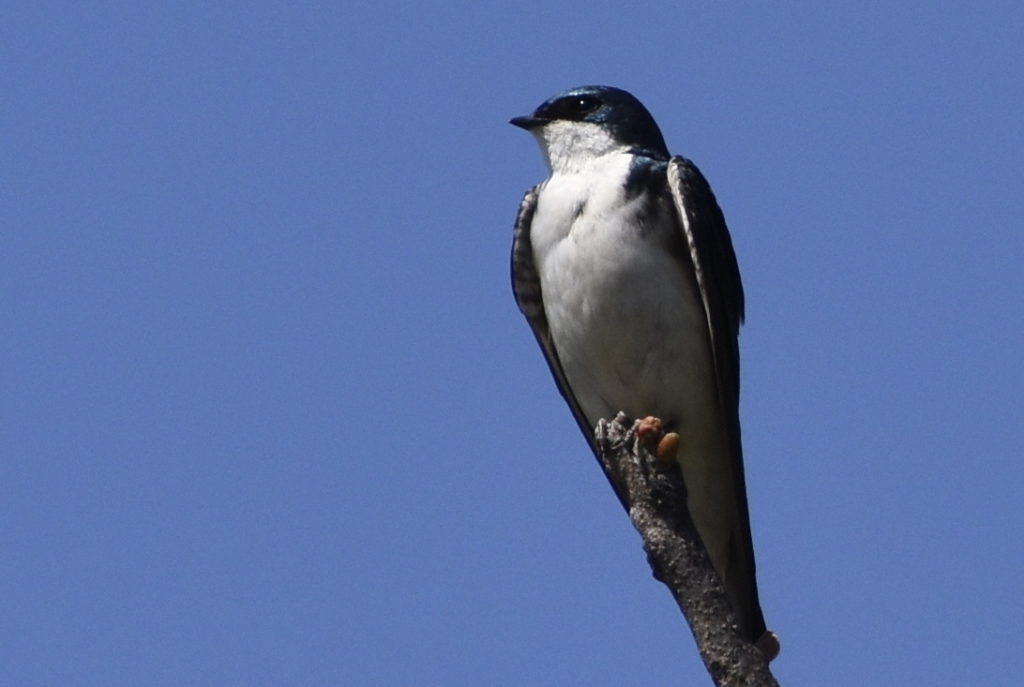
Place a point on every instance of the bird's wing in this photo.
(718, 275)
(527, 290)
(718, 280)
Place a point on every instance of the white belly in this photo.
(631, 333)
(624, 314)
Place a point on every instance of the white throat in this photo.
(569, 147)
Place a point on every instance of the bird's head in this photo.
(587, 122)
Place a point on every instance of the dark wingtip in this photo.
(769, 645)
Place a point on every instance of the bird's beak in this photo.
(528, 122)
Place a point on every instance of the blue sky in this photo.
(271, 416)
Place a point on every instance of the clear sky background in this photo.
(271, 417)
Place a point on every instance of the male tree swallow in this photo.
(623, 266)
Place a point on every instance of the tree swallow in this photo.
(624, 268)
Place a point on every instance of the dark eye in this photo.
(570, 107)
(582, 104)
(574, 107)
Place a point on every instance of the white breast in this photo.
(630, 329)
(623, 311)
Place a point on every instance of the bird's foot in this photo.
(668, 447)
(650, 432)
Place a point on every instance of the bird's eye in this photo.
(583, 104)
(573, 108)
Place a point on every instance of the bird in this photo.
(624, 268)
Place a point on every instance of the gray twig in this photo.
(656, 496)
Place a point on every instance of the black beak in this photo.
(528, 122)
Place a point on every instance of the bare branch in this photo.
(656, 498)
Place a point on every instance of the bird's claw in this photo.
(650, 432)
